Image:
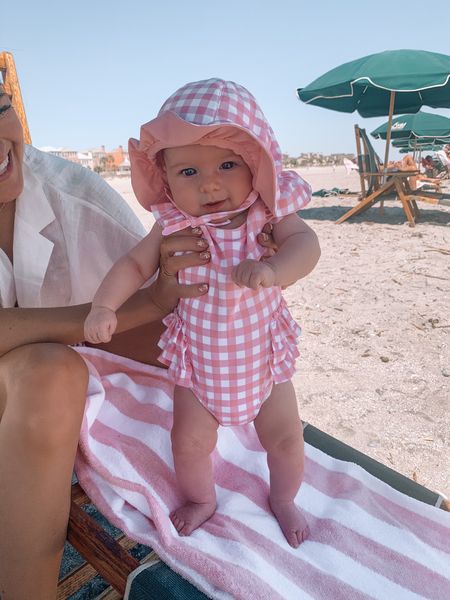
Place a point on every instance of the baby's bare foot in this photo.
(191, 515)
(293, 524)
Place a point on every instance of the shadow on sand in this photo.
(392, 215)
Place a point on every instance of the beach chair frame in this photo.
(380, 185)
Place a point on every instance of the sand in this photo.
(374, 369)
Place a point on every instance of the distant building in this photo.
(86, 159)
(124, 167)
(120, 161)
(99, 158)
(66, 153)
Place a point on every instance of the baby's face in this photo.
(206, 179)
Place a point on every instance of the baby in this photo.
(210, 160)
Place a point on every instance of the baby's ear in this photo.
(160, 162)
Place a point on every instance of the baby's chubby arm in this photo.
(124, 278)
(297, 255)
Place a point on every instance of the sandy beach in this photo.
(374, 369)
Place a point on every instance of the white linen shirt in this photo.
(70, 227)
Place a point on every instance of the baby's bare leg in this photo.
(280, 432)
(194, 437)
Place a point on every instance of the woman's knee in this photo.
(46, 391)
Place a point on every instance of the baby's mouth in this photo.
(216, 205)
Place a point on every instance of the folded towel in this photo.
(367, 540)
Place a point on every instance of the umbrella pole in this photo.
(388, 135)
(388, 139)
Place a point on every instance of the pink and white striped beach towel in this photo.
(367, 540)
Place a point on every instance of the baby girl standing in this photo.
(210, 160)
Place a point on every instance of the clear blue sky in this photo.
(93, 71)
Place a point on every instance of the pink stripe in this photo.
(373, 555)
(219, 572)
(145, 461)
(248, 437)
(109, 364)
(302, 573)
(343, 486)
(378, 558)
(237, 479)
(149, 413)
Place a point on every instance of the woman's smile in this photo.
(5, 167)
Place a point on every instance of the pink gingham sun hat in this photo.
(217, 113)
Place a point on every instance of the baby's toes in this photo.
(302, 535)
(176, 521)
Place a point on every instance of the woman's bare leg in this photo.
(194, 437)
(280, 432)
(42, 398)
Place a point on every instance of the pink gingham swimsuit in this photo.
(231, 345)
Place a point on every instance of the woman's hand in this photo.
(166, 291)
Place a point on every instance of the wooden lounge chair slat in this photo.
(111, 561)
(79, 496)
(78, 577)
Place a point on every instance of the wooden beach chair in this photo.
(378, 185)
(375, 184)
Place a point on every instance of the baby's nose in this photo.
(209, 184)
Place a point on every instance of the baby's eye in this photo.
(229, 164)
(188, 172)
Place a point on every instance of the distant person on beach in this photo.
(407, 163)
(429, 165)
(210, 160)
(61, 229)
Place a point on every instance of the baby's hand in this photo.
(253, 274)
(100, 324)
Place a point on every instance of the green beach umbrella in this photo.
(417, 142)
(418, 125)
(424, 148)
(386, 83)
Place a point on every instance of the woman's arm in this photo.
(19, 326)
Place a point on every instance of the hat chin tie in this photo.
(212, 219)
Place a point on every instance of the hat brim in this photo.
(170, 131)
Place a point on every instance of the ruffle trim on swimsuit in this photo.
(174, 350)
(284, 333)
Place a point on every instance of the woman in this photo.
(42, 385)
(61, 228)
